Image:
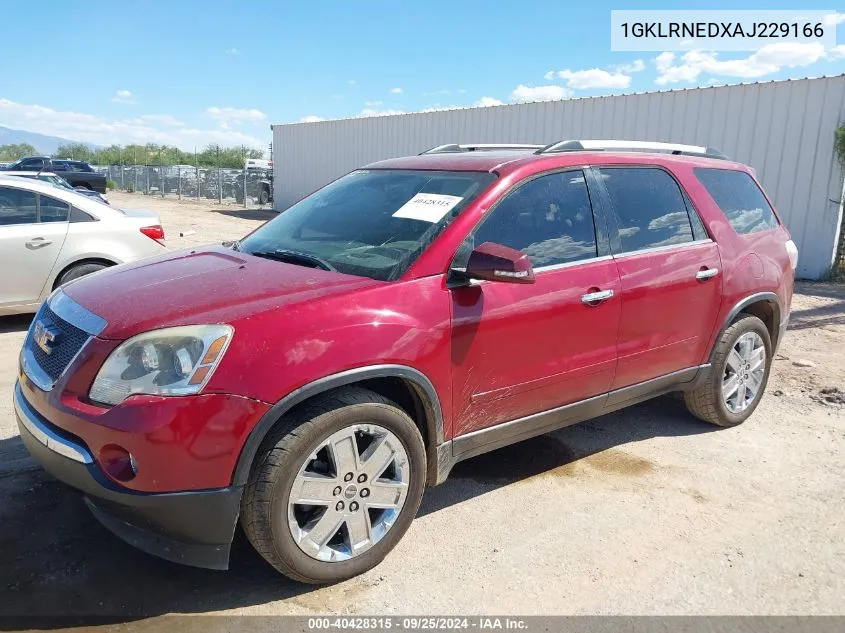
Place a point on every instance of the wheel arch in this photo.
(408, 387)
(80, 262)
(764, 305)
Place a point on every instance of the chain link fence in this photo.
(247, 187)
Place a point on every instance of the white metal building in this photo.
(783, 129)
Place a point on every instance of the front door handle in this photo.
(707, 273)
(595, 298)
(37, 242)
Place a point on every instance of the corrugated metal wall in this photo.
(783, 129)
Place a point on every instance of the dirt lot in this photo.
(645, 511)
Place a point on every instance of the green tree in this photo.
(15, 151)
(75, 151)
(839, 144)
(154, 154)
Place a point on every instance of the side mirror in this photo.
(494, 262)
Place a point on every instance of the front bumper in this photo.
(193, 528)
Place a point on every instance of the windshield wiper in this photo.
(295, 257)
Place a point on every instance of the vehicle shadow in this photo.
(827, 289)
(15, 323)
(831, 314)
(59, 565)
(259, 213)
(562, 452)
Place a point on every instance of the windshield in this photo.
(55, 180)
(372, 223)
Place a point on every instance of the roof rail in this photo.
(632, 146)
(452, 148)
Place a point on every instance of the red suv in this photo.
(313, 377)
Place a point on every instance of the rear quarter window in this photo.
(739, 198)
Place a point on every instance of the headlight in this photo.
(174, 361)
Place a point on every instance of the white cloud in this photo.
(766, 61)
(229, 116)
(837, 52)
(99, 130)
(351, 82)
(311, 118)
(540, 93)
(396, 91)
(832, 19)
(486, 102)
(123, 96)
(634, 67)
(163, 119)
(594, 78)
(366, 112)
(617, 77)
(232, 51)
(373, 104)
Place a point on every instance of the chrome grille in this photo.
(69, 341)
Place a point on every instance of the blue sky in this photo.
(191, 73)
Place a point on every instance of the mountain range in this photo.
(41, 142)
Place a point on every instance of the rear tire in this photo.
(736, 383)
(304, 448)
(263, 196)
(80, 270)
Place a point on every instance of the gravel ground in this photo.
(645, 511)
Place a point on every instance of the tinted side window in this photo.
(53, 210)
(739, 198)
(31, 164)
(648, 207)
(549, 219)
(78, 215)
(59, 166)
(17, 206)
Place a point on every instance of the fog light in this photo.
(118, 463)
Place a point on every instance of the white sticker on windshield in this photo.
(428, 207)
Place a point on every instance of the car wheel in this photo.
(740, 371)
(263, 196)
(80, 270)
(335, 487)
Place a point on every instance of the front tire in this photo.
(740, 371)
(335, 487)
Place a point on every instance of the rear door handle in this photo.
(37, 242)
(708, 273)
(594, 298)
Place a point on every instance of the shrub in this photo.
(110, 185)
(839, 144)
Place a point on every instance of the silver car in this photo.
(50, 235)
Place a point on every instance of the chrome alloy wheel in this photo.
(348, 493)
(744, 372)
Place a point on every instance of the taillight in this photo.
(792, 251)
(154, 232)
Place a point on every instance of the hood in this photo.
(206, 285)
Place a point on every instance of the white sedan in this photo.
(50, 236)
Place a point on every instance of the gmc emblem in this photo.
(46, 336)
